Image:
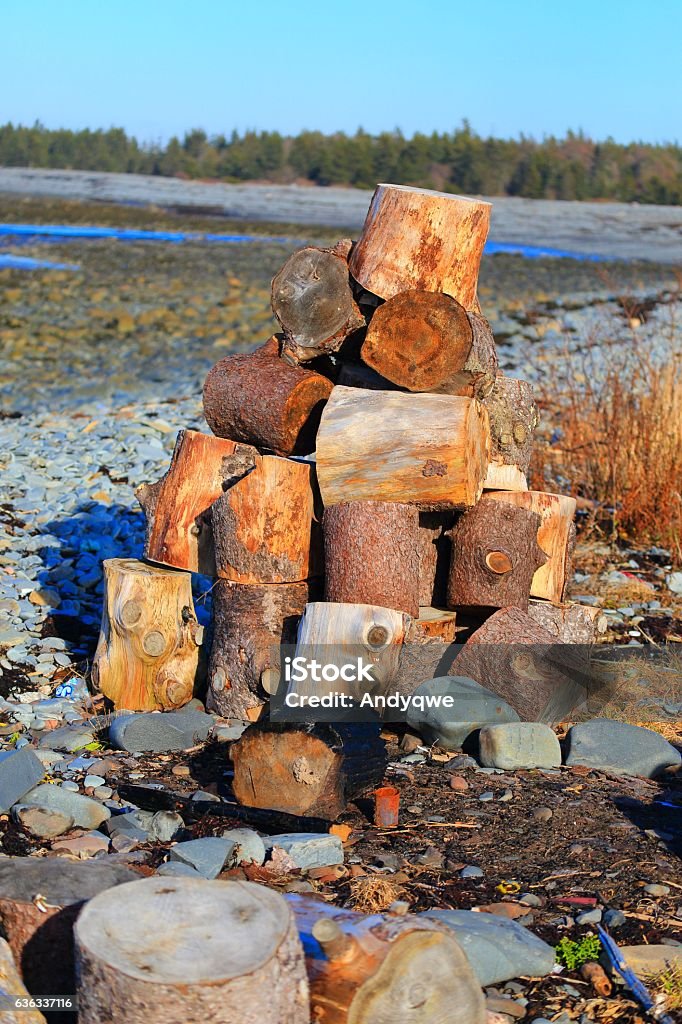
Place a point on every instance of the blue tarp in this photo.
(7, 260)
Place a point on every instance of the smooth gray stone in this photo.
(177, 867)
(471, 871)
(497, 949)
(614, 919)
(130, 824)
(519, 745)
(60, 881)
(472, 706)
(165, 825)
(619, 748)
(159, 731)
(207, 856)
(308, 849)
(86, 813)
(41, 821)
(68, 738)
(589, 917)
(249, 847)
(20, 771)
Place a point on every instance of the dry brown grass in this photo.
(374, 893)
(646, 679)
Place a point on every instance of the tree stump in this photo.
(431, 451)
(177, 506)
(414, 238)
(384, 970)
(556, 537)
(371, 554)
(568, 623)
(435, 551)
(260, 399)
(313, 301)
(312, 770)
(513, 419)
(264, 526)
(187, 951)
(148, 650)
(495, 554)
(250, 624)
(426, 341)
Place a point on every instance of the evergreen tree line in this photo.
(574, 167)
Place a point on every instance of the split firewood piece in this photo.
(433, 624)
(569, 623)
(426, 341)
(264, 526)
(435, 551)
(260, 399)
(174, 950)
(313, 301)
(431, 451)
(544, 681)
(495, 553)
(504, 478)
(148, 650)
(556, 537)
(312, 770)
(513, 419)
(414, 238)
(177, 506)
(365, 969)
(250, 624)
(371, 554)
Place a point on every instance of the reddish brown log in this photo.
(435, 550)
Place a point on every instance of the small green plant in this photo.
(669, 984)
(574, 954)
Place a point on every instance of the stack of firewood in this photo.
(365, 485)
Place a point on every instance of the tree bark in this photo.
(382, 970)
(431, 451)
(495, 554)
(186, 951)
(414, 238)
(313, 770)
(556, 537)
(371, 554)
(148, 650)
(250, 624)
(264, 525)
(568, 623)
(313, 301)
(435, 550)
(177, 506)
(513, 419)
(260, 399)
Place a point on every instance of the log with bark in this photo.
(435, 551)
(569, 623)
(501, 477)
(495, 554)
(313, 301)
(414, 238)
(426, 341)
(310, 769)
(177, 506)
(178, 950)
(374, 969)
(147, 656)
(261, 400)
(433, 624)
(371, 554)
(431, 451)
(264, 526)
(556, 537)
(513, 419)
(12, 988)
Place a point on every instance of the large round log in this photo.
(371, 554)
(260, 399)
(186, 951)
(148, 651)
(414, 238)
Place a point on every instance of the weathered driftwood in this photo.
(314, 769)
(371, 554)
(431, 451)
(513, 419)
(569, 623)
(177, 506)
(495, 554)
(556, 537)
(413, 238)
(313, 301)
(435, 550)
(384, 969)
(148, 651)
(260, 399)
(264, 525)
(176, 950)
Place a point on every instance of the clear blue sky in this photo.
(157, 67)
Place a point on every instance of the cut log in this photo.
(371, 554)
(250, 624)
(177, 506)
(522, 662)
(433, 624)
(177, 950)
(148, 651)
(495, 554)
(426, 341)
(313, 770)
(12, 988)
(384, 970)
(261, 400)
(264, 527)
(414, 238)
(313, 301)
(556, 537)
(435, 550)
(504, 478)
(513, 419)
(569, 623)
(431, 451)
